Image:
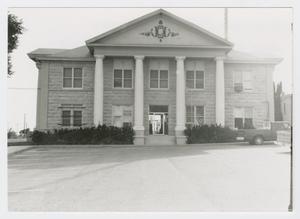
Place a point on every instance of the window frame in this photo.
(123, 73)
(244, 117)
(72, 87)
(72, 114)
(194, 116)
(195, 79)
(243, 84)
(159, 79)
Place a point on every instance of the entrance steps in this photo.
(159, 140)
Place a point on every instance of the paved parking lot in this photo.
(219, 177)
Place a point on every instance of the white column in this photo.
(139, 101)
(180, 100)
(220, 91)
(98, 91)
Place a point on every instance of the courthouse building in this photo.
(157, 73)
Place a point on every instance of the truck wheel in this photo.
(258, 140)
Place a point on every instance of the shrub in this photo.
(209, 134)
(101, 134)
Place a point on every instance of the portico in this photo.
(139, 111)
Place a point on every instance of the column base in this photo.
(139, 138)
(180, 140)
(180, 137)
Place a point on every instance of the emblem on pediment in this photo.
(160, 31)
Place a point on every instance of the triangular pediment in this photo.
(159, 28)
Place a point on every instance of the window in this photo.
(77, 118)
(243, 118)
(122, 116)
(242, 81)
(72, 78)
(71, 118)
(159, 74)
(195, 115)
(194, 74)
(195, 79)
(66, 118)
(123, 73)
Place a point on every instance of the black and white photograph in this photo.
(149, 109)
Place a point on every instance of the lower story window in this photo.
(66, 118)
(71, 118)
(243, 117)
(122, 116)
(195, 115)
(77, 118)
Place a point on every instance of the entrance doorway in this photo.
(158, 120)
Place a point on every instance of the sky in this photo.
(259, 31)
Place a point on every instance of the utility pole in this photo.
(226, 23)
(24, 125)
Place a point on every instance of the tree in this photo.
(15, 29)
(11, 134)
(24, 132)
(277, 101)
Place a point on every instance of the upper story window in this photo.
(242, 81)
(194, 74)
(195, 115)
(72, 78)
(159, 74)
(123, 73)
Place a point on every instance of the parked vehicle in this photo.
(258, 136)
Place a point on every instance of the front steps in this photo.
(160, 140)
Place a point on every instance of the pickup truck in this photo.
(258, 136)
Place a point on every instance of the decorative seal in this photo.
(160, 31)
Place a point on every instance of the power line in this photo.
(23, 88)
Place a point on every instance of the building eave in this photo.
(53, 58)
(273, 61)
(161, 46)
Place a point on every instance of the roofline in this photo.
(273, 61)
(159, 46)
(42, 57)
(123, 26)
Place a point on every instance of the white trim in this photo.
(195, 89)
(122, 69)
(72, 79)
(159, 69)
(71, 117)
(158, 88)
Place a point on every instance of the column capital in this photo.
(99, 56)
(139, 57)
(38, 65)
(178, 58)
(219, 58)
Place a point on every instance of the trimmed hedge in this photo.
(209, 134)
(101, 134)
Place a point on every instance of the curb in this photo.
(20, 150)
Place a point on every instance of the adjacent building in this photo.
(287, 107)
(157, 73)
